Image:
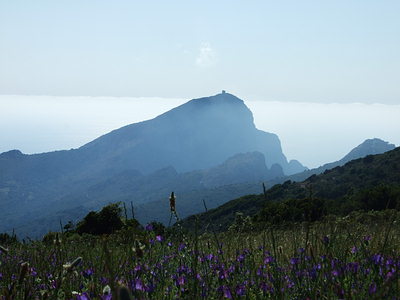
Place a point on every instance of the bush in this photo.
(5, 238)
(107, 221)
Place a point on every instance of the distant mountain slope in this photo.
(340, 184)
(198, 135)
(239, 175)
(368, 147)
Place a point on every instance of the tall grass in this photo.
(350, 258)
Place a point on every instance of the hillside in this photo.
(372, 182)
(368, 147)
(239, 175)
(142, 162)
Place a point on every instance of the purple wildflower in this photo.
(294, 261)
(377, 259)
(372, 288)
(181, 280)
(389, 275)
(103, 280)
(240, 258)
(149, 288)
(268, 259)
(210, 257)
(149, 227)
(139, 285)
(88, 272)
(83, 296)
(241, 290)
(227, 292)
(181, 247)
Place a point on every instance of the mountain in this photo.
(368, 147)
(243, 167)
(239, 175)
(371, 182)
(199, 134)
(202, 145)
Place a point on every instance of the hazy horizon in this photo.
(313, 133)
(298, 51)
(301, 66)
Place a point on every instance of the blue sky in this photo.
(318, 51)
(291, 61)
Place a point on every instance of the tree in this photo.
(106, 221)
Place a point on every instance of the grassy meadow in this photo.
(355, 257)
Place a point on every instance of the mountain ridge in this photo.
(367, 147)
(200, 134)
(347, 186)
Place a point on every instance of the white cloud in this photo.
(207, 56)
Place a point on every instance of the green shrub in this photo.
(107, 221)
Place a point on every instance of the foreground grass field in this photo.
(356, 257)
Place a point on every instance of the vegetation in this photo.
(333, 236)
(369, 183)
(356, 257)
(104, 222)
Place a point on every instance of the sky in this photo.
(297, 51)
(323, 75)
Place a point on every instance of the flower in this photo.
(83, 296)
(241, 290)
(372, 288)
(268, 259)
(227, 292)
(87, 273)
(181, 280)
(181, 247)
(139, 285)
